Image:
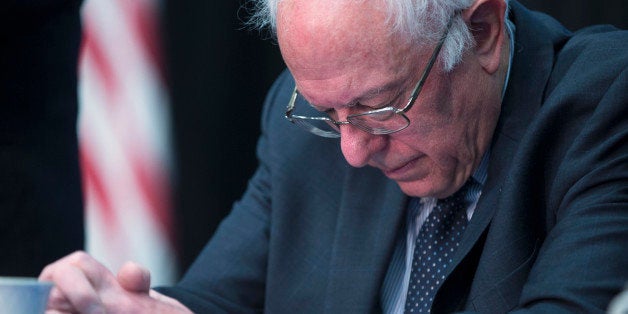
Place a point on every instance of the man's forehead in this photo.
(329, 6)
(313, 30)
(349, 54)
(328, 15)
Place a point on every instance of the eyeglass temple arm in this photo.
(430, 64)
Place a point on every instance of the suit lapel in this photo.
(522, 100)
(368, 221)
(533, 50)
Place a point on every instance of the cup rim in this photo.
(16, 280)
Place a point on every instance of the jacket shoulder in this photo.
(593, 57)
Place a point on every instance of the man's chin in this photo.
(428, 187)
(417, 188)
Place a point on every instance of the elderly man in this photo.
(485, 169)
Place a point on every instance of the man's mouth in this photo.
(401, 172)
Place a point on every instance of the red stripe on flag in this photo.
(92, 49)
(92, 178)
(154, 186)
(142, 16)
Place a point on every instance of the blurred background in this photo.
(169, 97)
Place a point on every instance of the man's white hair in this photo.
(421, 21)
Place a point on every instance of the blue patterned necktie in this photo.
(434, 248)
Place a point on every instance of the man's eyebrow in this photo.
(378, 90)
(375, 91)
(367, 95)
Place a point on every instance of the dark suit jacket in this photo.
(549, 234)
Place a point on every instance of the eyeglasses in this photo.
(386, 120)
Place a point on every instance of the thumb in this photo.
(133, 277)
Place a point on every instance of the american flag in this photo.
(124, 136)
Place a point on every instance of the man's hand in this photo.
(84, 285)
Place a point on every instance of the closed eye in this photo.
(392, 103)
(358, 107)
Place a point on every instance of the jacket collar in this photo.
(534, 49)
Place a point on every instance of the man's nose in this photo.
(359, 146)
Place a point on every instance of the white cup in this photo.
(23, 295)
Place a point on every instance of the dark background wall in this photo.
(575, 14)
(219, 73)
(41, 210)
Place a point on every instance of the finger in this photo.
(76, 278)
(133, 277)
(58, 302)
(95, 272)
(77, 289)
(57, 312)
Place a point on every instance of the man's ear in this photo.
(485, 19)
